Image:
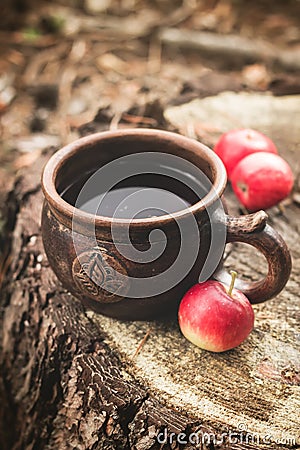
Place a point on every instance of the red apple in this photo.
(235, 145)
(214, 319)
(262, 180)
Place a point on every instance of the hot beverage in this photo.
(137, 197)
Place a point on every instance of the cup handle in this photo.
(253, 229)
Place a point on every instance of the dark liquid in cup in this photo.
(137, 202)
(137, 197)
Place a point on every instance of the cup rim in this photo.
(65, 209)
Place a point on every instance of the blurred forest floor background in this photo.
(70, 64)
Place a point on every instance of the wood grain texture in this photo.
(69, 379)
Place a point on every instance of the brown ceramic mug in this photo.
(139, 266)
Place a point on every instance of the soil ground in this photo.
(63, 61)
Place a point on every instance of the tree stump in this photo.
(72, 379)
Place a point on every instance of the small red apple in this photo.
(262, 180)
(214, 319)
(235, 145)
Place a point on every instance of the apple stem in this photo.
(233, 277)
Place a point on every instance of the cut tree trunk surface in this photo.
(73, 379)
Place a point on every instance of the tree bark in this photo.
(71, 379)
